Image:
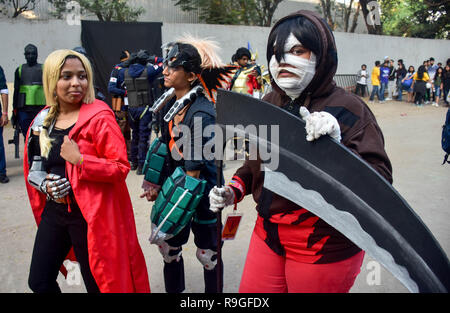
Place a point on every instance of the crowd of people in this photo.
(429, 84)
(76, 160)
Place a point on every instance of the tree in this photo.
(104, 10)
(371, 8)
(229, 12)
(338, 14)
(19, 6)
(416, 18)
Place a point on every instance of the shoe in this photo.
(133, 166)
(139, 170)
(388, 99)
(4, 179)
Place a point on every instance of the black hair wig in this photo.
(303, 29)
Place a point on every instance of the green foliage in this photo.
(232, 12)
(105, 10)
(18, 6)
(416, 18)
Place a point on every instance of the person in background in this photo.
(116, 87)
(407, 83)
(3, 122)
(391, 80)
(247, 78)
(139, 78)
(28, 97)
(400, 73)
(375, 79)
(420, 79)
(384, 79)
(361, 83)
(431, 69)
(446, 82)
(438, 85)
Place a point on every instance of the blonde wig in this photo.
(51, 75)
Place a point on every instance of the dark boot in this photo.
(210, 277)
(139, 170)
(4, 179)
(174, 276)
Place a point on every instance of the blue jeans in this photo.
(437, 92)
(383, 87)
(374, 92)
(2, 154)
(140, 133)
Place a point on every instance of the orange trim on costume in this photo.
(172, 143)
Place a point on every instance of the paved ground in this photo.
(412, 141)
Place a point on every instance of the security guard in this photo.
(28, 98)
(116, 87)
(138, 79)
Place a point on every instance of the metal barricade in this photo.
(346, 81)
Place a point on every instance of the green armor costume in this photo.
(175, 204)
(154, 161)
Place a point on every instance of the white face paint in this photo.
(303, 69)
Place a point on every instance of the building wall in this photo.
(353, 49)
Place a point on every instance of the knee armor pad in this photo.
(169, 253)
(169, 218)
(207, 257)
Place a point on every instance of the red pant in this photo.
(267, 272)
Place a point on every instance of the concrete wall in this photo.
(357, 49)
(47, 36)
(353, 49)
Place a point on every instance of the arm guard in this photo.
(37, 176)
(175, 205)
(154, 163)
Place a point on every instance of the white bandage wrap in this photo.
(303, 69)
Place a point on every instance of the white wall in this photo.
(47, 36)
(353, 49)
(357, 49)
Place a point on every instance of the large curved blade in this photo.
(330, 181)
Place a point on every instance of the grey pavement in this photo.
(412, 138)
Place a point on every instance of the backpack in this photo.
(445, 141)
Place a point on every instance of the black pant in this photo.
(58, 231)
(205, 237)
(360, 89)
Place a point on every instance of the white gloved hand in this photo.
(220, 198)
(320, 123)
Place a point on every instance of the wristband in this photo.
(81, 161)
(237, 183)
(5, 113)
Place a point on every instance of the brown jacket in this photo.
(359, 129)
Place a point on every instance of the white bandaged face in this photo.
(295, 72)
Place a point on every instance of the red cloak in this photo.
(115, 256)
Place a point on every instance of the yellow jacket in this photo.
(376, 76)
